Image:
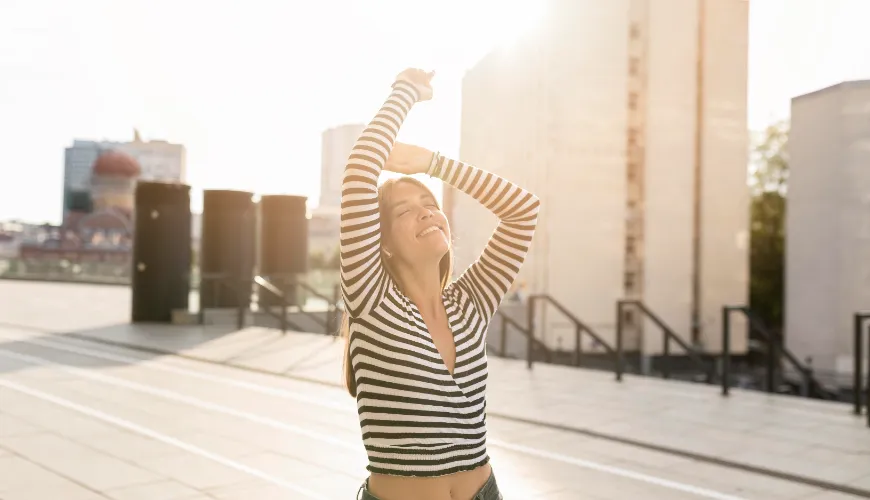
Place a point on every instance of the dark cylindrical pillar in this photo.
(161, 251)
(283, 244)
(227, 249)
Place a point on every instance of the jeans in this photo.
(489, 491)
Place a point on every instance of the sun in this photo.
(512, 21)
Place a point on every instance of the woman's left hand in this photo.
(408, 159)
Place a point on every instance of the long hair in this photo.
(445, 267)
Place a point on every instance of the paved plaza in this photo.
(92, 407)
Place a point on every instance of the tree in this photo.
(768, 183)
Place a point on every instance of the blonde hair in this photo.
(445, 267)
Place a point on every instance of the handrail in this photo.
(331, 303)
(507, 320)
(860, 319)
(579, 328)
(669, 336)
(225, 280)
(774, 347)
(222, 279)
(277, 293)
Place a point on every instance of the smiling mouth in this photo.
(428, 230)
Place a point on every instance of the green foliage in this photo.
(768, 182)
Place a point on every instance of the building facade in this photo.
(336, 144)
(628, 119)
(78, 161)
(828, 225)
(159, 161)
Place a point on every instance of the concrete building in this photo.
(160, 160)
(335, 148)
(323, 232)
(628, 118)
(828, 224)
(324, 220)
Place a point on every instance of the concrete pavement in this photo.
(80, 419)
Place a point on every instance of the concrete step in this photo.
(224, 316)
(312, 322)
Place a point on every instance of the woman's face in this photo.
(418, 228)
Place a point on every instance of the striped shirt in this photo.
(416, 418)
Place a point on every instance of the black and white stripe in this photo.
(416, 418)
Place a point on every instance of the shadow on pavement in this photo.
(149, 341)
(71, 312)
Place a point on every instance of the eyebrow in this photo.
(423, 197)
(398, 204)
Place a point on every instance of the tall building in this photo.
(159, 161)
(827, 272)
(336, 145)
(628, 119)
(78, 161)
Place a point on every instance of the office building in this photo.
(628, 119)
(160, 161)
(336, 145)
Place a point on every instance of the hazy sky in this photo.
(249, 86)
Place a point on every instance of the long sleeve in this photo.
(363, 278)
(489, 278)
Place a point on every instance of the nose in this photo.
(425, 213)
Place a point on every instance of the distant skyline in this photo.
(249, 89)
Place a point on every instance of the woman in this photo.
(415, 347)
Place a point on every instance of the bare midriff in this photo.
(458, 486)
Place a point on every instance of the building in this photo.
(324, 220)
(78, 160)
(828, 224)
(113, 182)
(159, 160)
(92, 244)
(336, 144)
(628, 119)
(323, 233)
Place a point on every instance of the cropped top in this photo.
(416, 418)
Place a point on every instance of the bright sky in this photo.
(248, 86)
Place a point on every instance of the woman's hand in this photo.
(420, 79)
(407, 159)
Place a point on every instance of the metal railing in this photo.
(508, 321)
(774, 348)
(668, 337)
(276, 293)
(225, 281)
(579, 329)
(860, 320)
(286, 281)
